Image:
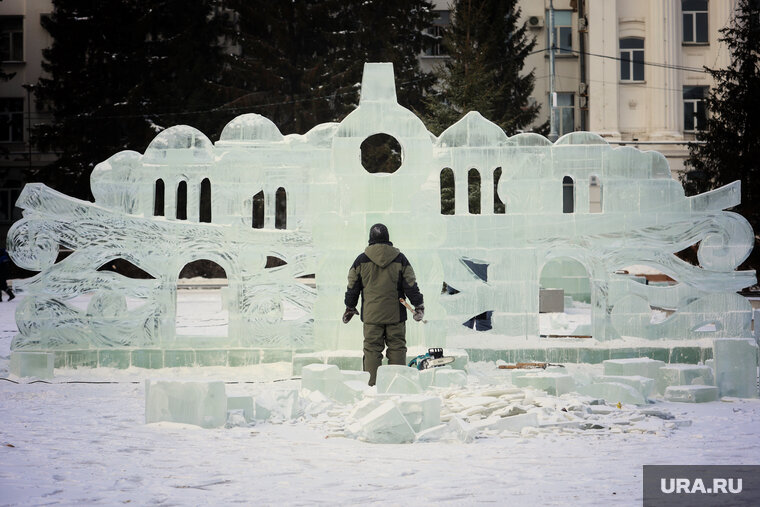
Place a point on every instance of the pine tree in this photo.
(119, 72)
(487, 49)
(300, 63)
(731, 150)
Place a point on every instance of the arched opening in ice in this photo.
(473, 191)
(447, 191)
(126, 268)
(564, 298)
(257, 217)
(594, 194)
(204, 213)
(158, 198)
(568, 195)
(181, 201)
(499, 206)
(281, 205)
(381, 153)
(201, 295)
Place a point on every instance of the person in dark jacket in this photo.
(382, 275)
(5, 268)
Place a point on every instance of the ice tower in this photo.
(150, 210)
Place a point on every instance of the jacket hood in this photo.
(382, 254)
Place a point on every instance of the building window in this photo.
(204, 211)
(8, 198)
(568, 195)
(11, 120)
(447, 191)
(182, 201)
(694, 21)
(158, 199)
(498, 205)
(473, 191)
(257, 218)
(564, 113)
(694, 113)
(631, 59)
(281, 211)
(563, 32)
(434, 35)
(11, 38)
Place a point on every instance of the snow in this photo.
(70, 442)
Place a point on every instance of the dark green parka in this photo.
(382, 275)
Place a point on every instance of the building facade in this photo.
(22, 40)
(632, 72)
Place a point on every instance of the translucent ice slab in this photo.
(613, 392)
(644, 385)
(398, 379)
(685, 375)
(202, 403)
(385, 424)
(422, 412)
(32, 364)
(321, 377)
(279, 404)
(643, 367)
(736, 367)
(691, 394)
(244, 403)
(553, 383)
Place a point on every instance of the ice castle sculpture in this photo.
(491, 262)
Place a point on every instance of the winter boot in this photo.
(11, 295)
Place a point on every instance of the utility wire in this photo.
(333, 96)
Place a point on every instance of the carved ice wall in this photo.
(493, 260)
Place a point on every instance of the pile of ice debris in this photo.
(445, 404)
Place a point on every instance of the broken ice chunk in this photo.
(736, 367)
(512, 423)
(383, 425)
(320, 377)
(613, 392)
(553, 383)
(422, 412)
(643, 385)
(361, 376)
(398, 379)
(202, 403)
(464, 431)
(277, 404)
(244, 403)
(691, 394)
(449, 378)
(349, 391)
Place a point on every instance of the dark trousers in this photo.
(376, 338)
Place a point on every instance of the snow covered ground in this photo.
(73, 443)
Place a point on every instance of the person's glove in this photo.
(348, 314)
(419, 312)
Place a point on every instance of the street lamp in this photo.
(29, 89)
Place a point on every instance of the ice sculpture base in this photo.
(32, 364)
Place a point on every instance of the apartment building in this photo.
(22, 40)
(631, 72)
